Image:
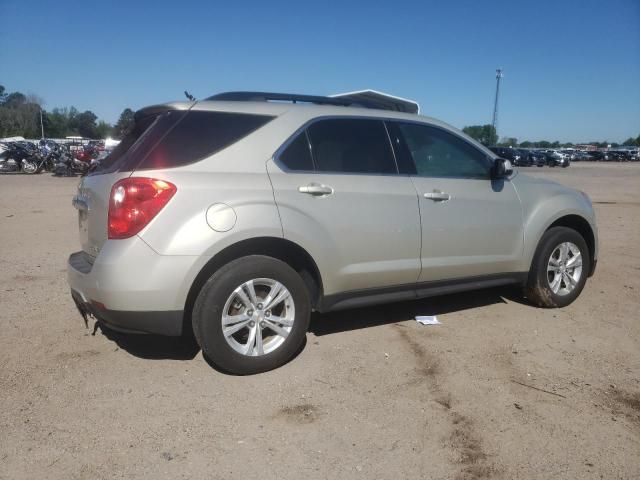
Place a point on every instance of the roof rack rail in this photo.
(282, 97)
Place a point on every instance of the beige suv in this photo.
(238, 215)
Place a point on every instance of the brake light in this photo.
(134, 202)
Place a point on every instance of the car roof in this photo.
(301, 113)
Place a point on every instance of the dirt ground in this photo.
(499, 390)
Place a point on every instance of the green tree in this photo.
(19, 115)
(544, 144)
(85, 124)
(14, 100)
(103, 130)
(124, 123)
(508, 142)
(485, 134)
(527, 144)
(630, 142)
(56, 123)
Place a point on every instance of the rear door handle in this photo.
(437, 196)
(315, 189)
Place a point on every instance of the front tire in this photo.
(252, 315)
(29, 167)
(559, 270)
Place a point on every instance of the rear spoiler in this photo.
(162, 107)
(380, 100)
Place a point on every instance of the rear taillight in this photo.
(134, 202)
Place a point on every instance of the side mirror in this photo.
(502, 168)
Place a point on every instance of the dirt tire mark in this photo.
(463, 439)
(623, 403)
(300, 414)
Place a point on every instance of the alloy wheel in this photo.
(258, 317)
(564, 268)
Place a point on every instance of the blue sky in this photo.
(572, 68)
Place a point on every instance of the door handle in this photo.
(315, 189)
(437, 196)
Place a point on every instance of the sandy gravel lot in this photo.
(499, 390)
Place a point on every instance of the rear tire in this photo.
(265, 301)
(559, 270)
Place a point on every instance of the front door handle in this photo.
(315, 189)
(437, 196)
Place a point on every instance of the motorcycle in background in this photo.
(20, 156)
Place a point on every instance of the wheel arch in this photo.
(282, 249)
(582, 226)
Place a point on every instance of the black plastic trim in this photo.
(81, 261)
(167, 323)
(363, 298)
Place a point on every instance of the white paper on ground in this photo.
(428, 320)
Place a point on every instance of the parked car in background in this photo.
(558, 158)
(526, 159)
(512, 154)
(598, 156)
(580, 156)
(539, 158)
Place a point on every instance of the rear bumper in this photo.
(161, 323)
(130, 287)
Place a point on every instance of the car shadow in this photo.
(154, 347)
(185, 347)
(358, 318)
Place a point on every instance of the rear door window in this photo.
(351, 146)
(297, 154)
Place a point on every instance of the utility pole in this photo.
(495, 103)
(41, 124)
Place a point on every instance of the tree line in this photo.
(486, 134)
(20, 117)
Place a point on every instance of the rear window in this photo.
(175, 138)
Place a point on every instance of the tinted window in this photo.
(351, 146)
(175, 138)
(437, 153)
(136, 144)
(297, 155)
(200, 134)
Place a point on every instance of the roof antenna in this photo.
(189, 96)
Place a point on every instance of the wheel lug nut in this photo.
(250, 313)
(267, 313)
(259, 306)
(262, 324)
(252, 323)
